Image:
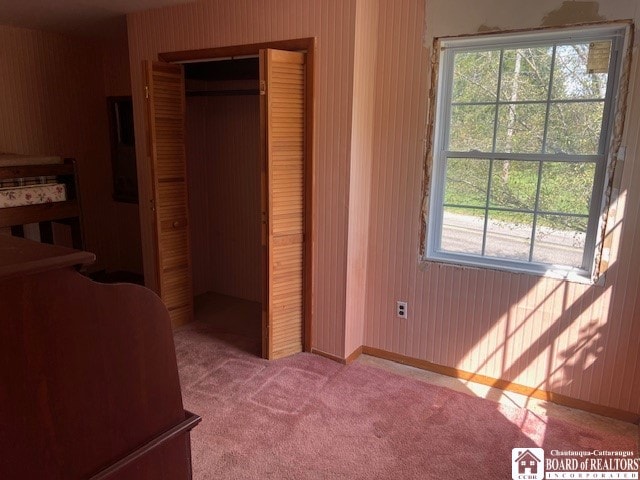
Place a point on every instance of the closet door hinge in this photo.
(263, 87)
(146, 92)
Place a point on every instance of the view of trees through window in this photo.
(524, 139)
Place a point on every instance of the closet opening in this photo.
(222, 117)
(208, 205)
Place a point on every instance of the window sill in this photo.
(568, 275)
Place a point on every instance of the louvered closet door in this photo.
(166, 110)
(284, 131)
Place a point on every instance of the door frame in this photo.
(308, 45)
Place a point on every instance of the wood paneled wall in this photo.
(223, 163)
(233, 22)
(577, 340)
(52, 91)
(364, 105)
(115, 61)
(117, 82)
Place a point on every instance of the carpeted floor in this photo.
(306, 417)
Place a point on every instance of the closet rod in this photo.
(220, 93)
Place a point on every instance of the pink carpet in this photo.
(306, 417)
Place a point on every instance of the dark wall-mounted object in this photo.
(123, 150)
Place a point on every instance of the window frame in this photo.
(618, 33)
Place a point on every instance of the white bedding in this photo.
(32, 195)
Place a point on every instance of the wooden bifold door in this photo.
(166, 123)
(283, 108)
(283, 143)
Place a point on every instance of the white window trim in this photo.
(619, 34)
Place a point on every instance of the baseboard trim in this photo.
(345, 361)
(354, 355)
(505, 385)
(330, 356)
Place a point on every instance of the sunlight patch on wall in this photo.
(542, 342)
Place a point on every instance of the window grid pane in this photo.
(535, 215)
(486, 206)
(546, 119)
(527, 75)
(573, 79)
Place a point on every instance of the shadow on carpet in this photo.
(306, 417)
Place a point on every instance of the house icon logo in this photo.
(527, 464)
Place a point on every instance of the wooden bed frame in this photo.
(67, 212)
(90, 386)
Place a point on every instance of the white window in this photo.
(522, 133)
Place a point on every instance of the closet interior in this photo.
(224, 178)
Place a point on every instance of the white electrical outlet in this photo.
(401, 309)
